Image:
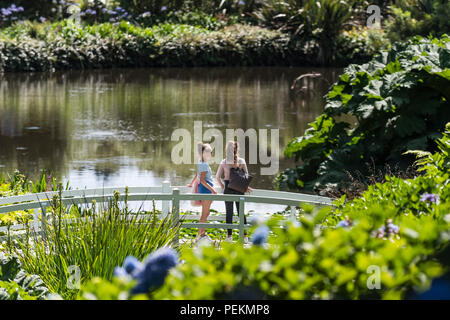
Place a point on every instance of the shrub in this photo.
(321, 21)
(418, 17)
(360, 45)
(68, 45)
(396, 102)
(93, 238)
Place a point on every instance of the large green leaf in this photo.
(400, 99)
(9, 267)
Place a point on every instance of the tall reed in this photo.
(92, 239)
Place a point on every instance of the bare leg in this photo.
(206, 205)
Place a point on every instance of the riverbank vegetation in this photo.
(50, 35)
(375, 112)
(93, 237)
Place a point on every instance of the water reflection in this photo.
(113, 127)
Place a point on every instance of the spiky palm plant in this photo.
(326, 19)
(93, 238)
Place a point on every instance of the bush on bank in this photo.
(66, 45)
(373, 114)
(32, 46)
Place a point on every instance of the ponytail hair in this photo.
(236, 153)
(232, 153)
(200, 148)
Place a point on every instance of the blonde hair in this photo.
(232, 153)
(201, 147)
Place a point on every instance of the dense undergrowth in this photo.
(67, 45)
(375, 112)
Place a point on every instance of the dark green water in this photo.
(114, 127)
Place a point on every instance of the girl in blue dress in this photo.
(205, 185)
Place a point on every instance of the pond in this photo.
(113, 127)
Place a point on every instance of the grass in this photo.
(95, 240)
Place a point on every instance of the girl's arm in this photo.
(192, 182)
(219, 175)
(244, 167)
(204, 183)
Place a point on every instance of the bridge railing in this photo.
(169, 195)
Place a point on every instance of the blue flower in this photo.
(6, 12)
(343, 223)
(241, 3)
(156, 268)
(429, 197)
(132, 265)
(439, 290)
(260, 235)
(120, 272)
(163, 8)
(393, 228)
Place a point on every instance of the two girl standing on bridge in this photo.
(205, 186)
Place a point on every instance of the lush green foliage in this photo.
(317, 258)
(399, 101)
(360, 45)
(94, 238)
(406, 196)
(318, 21)
(318, 32)
(216, 33)
(19, 184)
(418, 17)
(64, 45)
